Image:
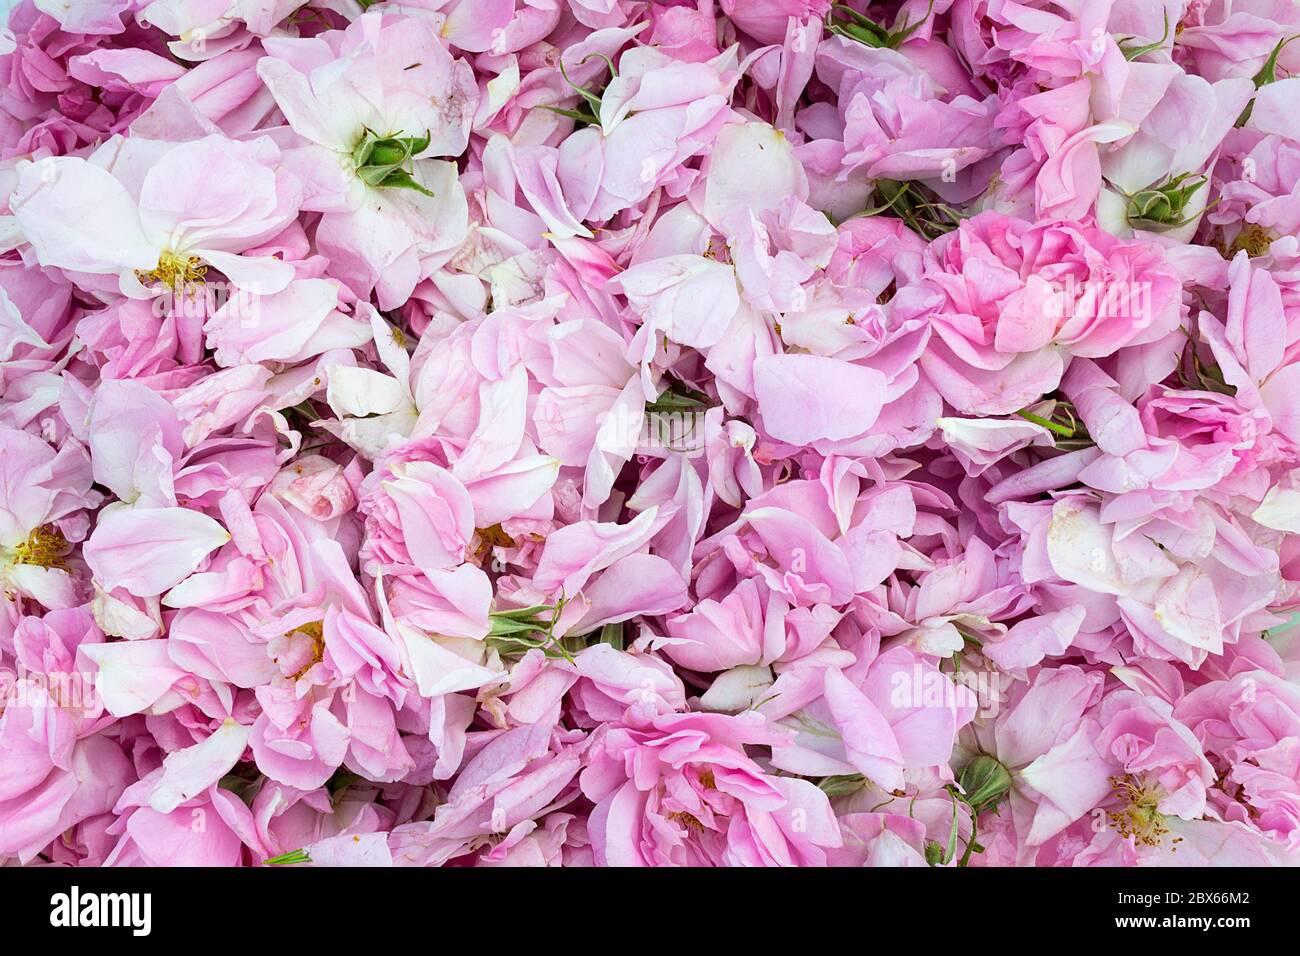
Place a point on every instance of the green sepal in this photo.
(985, 783)
(842, 785)
(1132, 53)
(401, 179)
(288, 859)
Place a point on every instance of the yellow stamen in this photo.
(685, 819)
(1253, 238)
(45, 548)
(174, 271)
(316, 631)
(493, 537)
(1139, 818)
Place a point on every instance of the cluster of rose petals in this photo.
(649, 433)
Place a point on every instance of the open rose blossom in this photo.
(649, 433)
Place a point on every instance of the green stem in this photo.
(970, 844)
(1046, 423)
